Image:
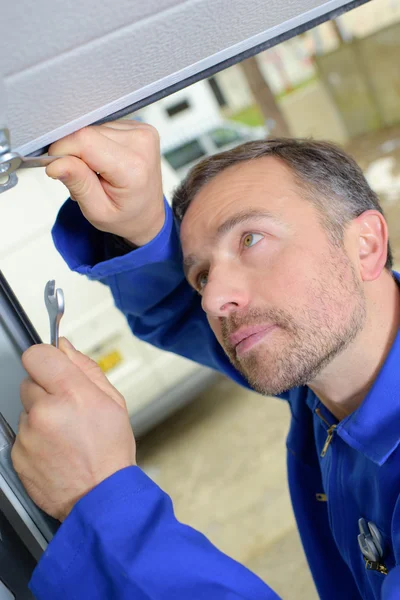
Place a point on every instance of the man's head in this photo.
(279, 238)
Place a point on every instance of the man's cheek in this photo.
(216, 327)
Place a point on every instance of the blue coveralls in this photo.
(122, 541)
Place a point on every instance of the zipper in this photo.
(328, 440)
(375, 566)
(321, 497)
(330, 432)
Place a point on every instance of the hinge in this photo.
(8, 179)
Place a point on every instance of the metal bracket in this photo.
(11, 161)
(11, 182)
(5, 149)
(4, 141)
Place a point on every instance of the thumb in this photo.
(74, 173)
(92, 371)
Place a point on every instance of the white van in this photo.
(224, 136)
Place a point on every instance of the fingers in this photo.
(91, 370)
(31, 393)
(81, 181)
(51, 369)
(101, 147)
(112, 151)
(57, 370)
(102, 154)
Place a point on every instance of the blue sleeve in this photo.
(122, 542)
(148, 286)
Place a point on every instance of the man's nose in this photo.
(225, 292)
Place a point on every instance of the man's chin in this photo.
(280, 376)
(267, 388)
(269, 373)
(260, 381)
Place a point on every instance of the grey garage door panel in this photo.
(80, 63)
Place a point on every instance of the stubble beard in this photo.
(306, 340)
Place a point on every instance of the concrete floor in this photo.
(222, 459)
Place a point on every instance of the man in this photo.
(275, 271)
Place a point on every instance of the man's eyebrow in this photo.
(228, 225)
(243, 216)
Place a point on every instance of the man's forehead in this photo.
(265, 170)
(258, 185)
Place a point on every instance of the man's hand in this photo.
(113, 171)
(74, 432)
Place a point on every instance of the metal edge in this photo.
(15, 320)
(20, 521)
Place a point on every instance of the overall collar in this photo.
(374, 428)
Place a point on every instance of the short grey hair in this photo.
(328, 177)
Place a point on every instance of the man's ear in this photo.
(372, 244)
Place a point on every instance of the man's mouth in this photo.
(246, 337)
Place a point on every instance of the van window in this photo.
(185, 154)
(222, 136)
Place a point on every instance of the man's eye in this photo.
(250, 239)
(201, 280)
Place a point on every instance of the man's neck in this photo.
(343, 385)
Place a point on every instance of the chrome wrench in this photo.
(11, 161)
(54, 299)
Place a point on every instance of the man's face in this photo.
(282, 300)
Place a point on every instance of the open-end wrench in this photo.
(54, 299)
(11, 161)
